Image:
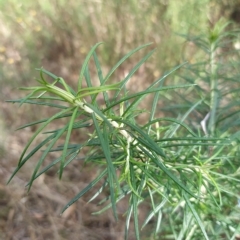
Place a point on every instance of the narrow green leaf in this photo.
(135, 215)
(87, 77)
(100, 76)
(67, 87)
(158, 81)
(174, 121)
(184, 117)
(80, 79)
(144, 138)
(35, 90)
(154, 212)
(130, 74)
(99, 191)
(85, 190)
(143, 93)
(196, 216)
(112, 177)
(159, 163)
(57, 160)
(128, 218)
(71, 158)
(76, 125)
(46, 151)
(88, 81)
(95, 90)
(42, 70)
(121, 196)
(41, 121)
(123, 60)
(158, 225)
(42, 97)
(43, 81)
(70, 127)
(227, 116)
(128, 177)
(134, 202)
(24, 160)
(39, 130)
(154, 106)
(39, 103)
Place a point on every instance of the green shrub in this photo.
(186, 167)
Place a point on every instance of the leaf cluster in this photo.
(165, 162)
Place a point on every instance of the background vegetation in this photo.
(57, 35)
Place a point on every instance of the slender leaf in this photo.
(85, 190)
(100, 76)
(46, 151)
(85, 64)
(24, 160)
(123, 60)
(70, 127)
(196, 216)
(112, 178)
(144, 93)
(130, 74)
(39, 130)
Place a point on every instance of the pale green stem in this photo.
(87, 109)
(69, 97)
(214, 91)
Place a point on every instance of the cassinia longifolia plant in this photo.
(185, 167)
